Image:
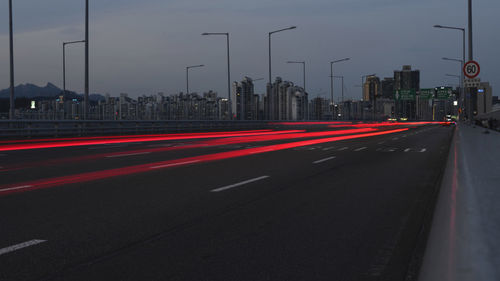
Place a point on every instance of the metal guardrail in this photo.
(51, 128)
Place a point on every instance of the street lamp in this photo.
(303, 70)
(331, 74)
(86, 97)
(461, 61)
(228, 68)
(187, 75)
(342, 104)
(271, 33)
(462, 90)
(11, 46)
(457, 60)
(271, 100)
(342, 78)
(64, 61)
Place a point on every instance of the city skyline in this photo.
(149, 56)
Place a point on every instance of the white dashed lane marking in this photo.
(20, 246)
(239, 184)
(15, 188)
(324, 160)
(361, 148)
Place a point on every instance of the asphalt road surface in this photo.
(224, 208)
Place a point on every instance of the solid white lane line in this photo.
(328, 148)
(16, 188)
(238, 184)
(406, 150)
(423, 150)
(324, 160)
(362, 148)
(129, 154)
(174, 164)
(20, 246)
(343, 148)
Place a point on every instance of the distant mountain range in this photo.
(49, 91)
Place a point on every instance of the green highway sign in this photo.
(426, 94)
(405, 94)
(443, 93)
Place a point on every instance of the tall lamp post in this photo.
(86, 97)
(342, 104)
(11, 46)
(331, 76)
(461, 77)
(271, 100)
(303, 70)
(187, 75)
(228, 68)
(461, 64)
(64, 61)
(462, 90)
(454, 75)
(342, 78)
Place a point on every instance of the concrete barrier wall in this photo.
(464, 242)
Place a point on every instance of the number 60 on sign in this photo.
(471, 69)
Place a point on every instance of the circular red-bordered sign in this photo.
(471, 69)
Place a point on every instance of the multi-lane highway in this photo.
(299, 202)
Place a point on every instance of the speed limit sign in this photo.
(471, 69)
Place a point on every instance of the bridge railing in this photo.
(39, 128)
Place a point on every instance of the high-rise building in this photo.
(243, 100)
(285, 101)
(371, 88)
(387, 86)
(406, 79)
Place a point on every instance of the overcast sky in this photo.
(143, 47)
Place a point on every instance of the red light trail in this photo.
(139, 139)
(206, 143)
(104, 174)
